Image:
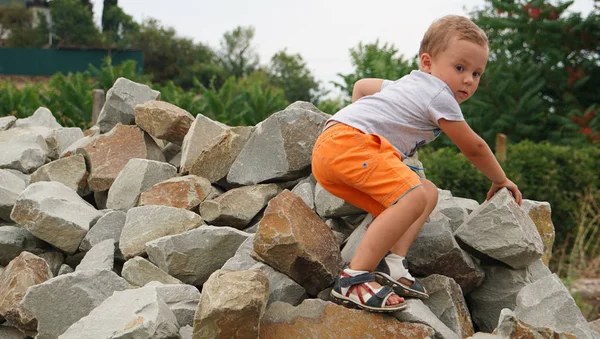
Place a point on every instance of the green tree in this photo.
(169, 57)
(237, 55)
(88, 4)
(290, 72)
(542, 77)
(17, 23)
(108, 23)
(374, 61)
(72, 24)
(120, 32)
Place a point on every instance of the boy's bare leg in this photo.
(401, 247)
(385, 231)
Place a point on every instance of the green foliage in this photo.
(70, 98)
(73, 24)
(331, 105)
(374, 61)
(541, 80)
(18, 23)
(108, 21)
(291, 73)
(168, 57)
(237, 56)
(107, 74)
(239, 102)
(119, 33)
(18, 102)
(189, 100)
(543, 172)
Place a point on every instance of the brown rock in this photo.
(294, 240)
(181, 192)
(541, 215)
(163, 120)
(320, 319)
(107, 155)
(214, 161)
(231, 305)
(22, 272)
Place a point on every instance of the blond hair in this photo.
(439, 33)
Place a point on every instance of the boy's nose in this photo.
(468, 79)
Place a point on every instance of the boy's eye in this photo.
(476, 74)
(459, 68)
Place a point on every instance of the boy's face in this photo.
(460, 66)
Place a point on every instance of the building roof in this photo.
(10, 3)
(23, 3)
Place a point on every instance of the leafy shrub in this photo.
(543, 172)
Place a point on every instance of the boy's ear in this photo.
(426, 62)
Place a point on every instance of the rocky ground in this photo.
(158, 224)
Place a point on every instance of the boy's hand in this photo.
(512, 188)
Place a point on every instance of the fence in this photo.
(40, 62)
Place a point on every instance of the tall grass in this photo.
(578, 256)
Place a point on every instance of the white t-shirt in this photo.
(405, 111)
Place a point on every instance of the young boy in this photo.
(359, 156)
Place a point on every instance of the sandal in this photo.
(389, 271)
(346, 292)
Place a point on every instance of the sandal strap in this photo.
(362, 278)
(380, 297)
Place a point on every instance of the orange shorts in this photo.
(363, 169)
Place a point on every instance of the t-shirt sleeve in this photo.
(444, 106)
(386, 83)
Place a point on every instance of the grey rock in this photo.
(194, 255)
(22, 149)
(139, 272)
(11, 186)
(435, 251)
(60, 139)
(199, 137)
(499, 290)
(62, 301)
(147, 223)
(328, 205)
(135, 313)
(70, 171)
(42, 117)
(547, 303)
(181, 299)
(101, 256)
(7, 122)
(136, 177)
(55, 260)
(446, 301)
(14, 240)
(502, 230)
(305, 189)
(120, 103)
(109, 226)
(417, 312)
(238, 206)
(54, 213)
(279, 149)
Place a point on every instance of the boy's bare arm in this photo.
(364, 87)
(480, 155)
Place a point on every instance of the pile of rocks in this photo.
(158, 224)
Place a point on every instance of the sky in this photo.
(321, 31)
